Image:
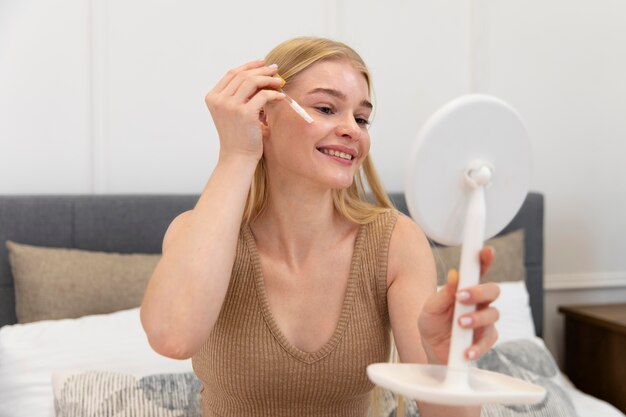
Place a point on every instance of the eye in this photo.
(361, 121)
(325, 110)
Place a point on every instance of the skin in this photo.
(305, 246)
(293, 233)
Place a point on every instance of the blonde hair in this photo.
(292, 57)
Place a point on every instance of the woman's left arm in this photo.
(421, 317)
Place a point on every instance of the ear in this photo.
(263, 117)
(265, 129)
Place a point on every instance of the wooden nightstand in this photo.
(595, 350)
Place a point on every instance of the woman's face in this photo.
(329, 151)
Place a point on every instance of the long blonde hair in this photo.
(292, 57)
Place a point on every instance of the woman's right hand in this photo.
(235, 104)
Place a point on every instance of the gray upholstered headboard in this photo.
(136, 224)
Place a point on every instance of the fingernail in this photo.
(462, 295)
(452, 275)
(273, 66)
(471, 354)
(465, 321)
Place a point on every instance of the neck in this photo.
(299, 224)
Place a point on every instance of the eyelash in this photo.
(359, 120)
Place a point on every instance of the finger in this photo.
(239, 79)
(232, 73)
(251, 85)
(481, 294)
(453, 280)
(256, 103)
(239, 76)
(487, 255)
(485, 339)
(479, 318)
(444, 298)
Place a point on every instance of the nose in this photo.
(348, 128)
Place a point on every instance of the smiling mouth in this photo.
(337, 154)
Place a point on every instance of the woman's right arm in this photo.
(187, 288)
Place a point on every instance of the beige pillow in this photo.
(57, 283)
(508, 264)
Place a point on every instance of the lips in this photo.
(342, 152)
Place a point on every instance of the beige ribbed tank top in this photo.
(248, 368)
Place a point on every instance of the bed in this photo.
(72, 273)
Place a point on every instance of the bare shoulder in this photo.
(409, 251)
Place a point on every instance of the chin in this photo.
(342, 185)
(336, 180)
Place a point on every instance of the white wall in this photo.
(45, 143)
(106, 96)
(561, 64)
(128, 80)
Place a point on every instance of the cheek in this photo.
(321, 127)
(365, 144)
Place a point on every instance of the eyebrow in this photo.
(339, 95)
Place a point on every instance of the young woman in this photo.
(284, 282)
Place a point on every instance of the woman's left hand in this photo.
(435, 321)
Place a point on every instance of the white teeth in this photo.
(341, 155)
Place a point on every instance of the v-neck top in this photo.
(248, 367)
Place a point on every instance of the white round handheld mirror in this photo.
(467, 177)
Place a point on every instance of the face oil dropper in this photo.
(292, 102)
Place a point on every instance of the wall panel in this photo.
(44, 97)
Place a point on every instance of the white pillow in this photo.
(31, 353)
(516, 320)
